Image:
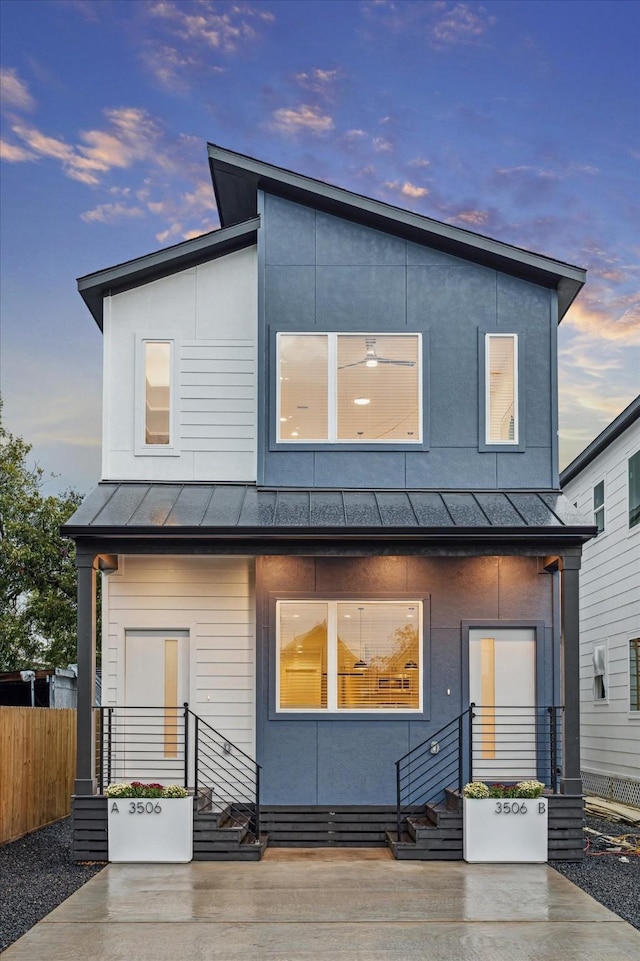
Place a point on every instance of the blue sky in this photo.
(520, 120)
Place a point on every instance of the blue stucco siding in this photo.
(350, 760)
(320, 272)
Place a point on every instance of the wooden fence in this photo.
(37, 767)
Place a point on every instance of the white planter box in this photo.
(506, 829)
(150, 829)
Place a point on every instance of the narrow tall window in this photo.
(634, 490)
(634, 674)
(598, 506)
(600, 672)
(501, 366)
(157, 394)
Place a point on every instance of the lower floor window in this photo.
(354, 655)
(634, 674)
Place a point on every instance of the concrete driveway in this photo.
(329, 905)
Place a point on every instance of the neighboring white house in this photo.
(605, 479)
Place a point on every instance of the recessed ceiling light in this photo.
(294, 433)
(362, 401)
(371, 363)
(283, 420)
(347, 615)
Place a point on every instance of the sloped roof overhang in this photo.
(95, 287)
(612, 431)
(237, 179)
(237, 518)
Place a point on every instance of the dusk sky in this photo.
(520, 120)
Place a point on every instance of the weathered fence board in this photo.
(37, 767)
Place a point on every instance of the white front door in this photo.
(156, 686)
(502, 683)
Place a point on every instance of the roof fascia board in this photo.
(617, 427)
(162, 263)
(567, 278)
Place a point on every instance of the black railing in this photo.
(174, 745)
(424, 772)
(516, 743)
(142, 744)
(483, 743)
(226, 779)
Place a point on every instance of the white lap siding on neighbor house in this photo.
(609, 612)
(210, 314)
(210, 598)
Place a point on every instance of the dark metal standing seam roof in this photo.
(244, 510)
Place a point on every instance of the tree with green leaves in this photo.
(37, 565)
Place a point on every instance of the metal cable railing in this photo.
(483, 743)
(173, 745)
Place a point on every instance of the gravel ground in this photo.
(37, 874)
(604, 875)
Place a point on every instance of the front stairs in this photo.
(433, 834)
(224, 835)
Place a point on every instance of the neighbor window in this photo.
(349, 656)
(157, 392)
(598, 506)
(349, 388)
(634, 490)
(600, 672)
(634, 674)
(501, 388)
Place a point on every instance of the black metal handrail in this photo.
(486, 743)
(424, 772)
(173, 743)
(225, 775)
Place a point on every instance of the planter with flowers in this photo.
(149, 822)
(505, 822)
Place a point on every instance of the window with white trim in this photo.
(349, 656)
(156, 394)
(634, 674)
(501, 389)
(598, 506)
(349, 388)
(634, 489)
(600, 672)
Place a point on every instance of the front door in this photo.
(156, 687)
(502, 685)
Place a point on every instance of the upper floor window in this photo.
(157, 392)
(354, 655)
(501, 389)
(598, 506)
(634, 490)
(156, 395)
(349, 388)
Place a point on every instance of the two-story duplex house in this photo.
(604, 480)
(329, 520)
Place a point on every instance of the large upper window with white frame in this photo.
(349, 388)
(349, 656)
(501, 389)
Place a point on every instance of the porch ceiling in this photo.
(244, 511)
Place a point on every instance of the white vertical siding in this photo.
(609, 612)
(210, 311)
(212, 599)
